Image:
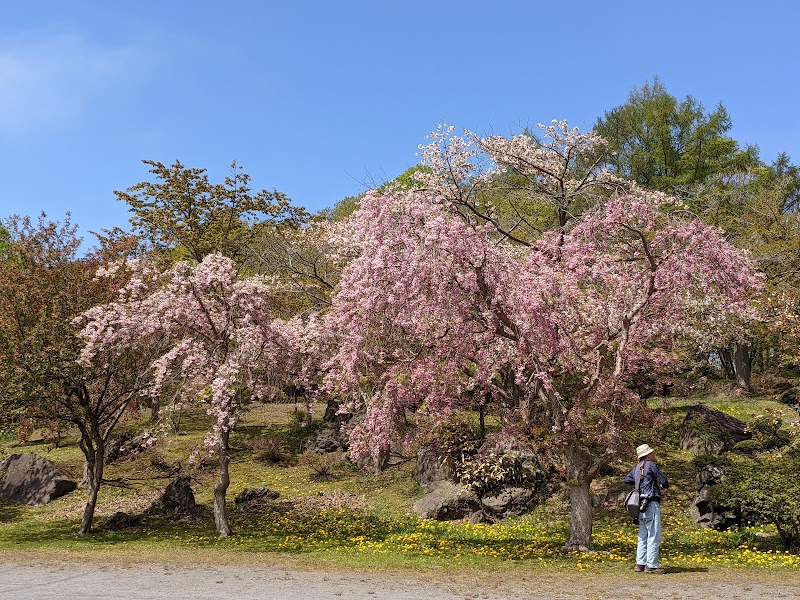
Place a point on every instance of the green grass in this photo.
(360, 519)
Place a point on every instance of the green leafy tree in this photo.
(5, 240)
(758, 210)
(44, 286)
(668, 145)
(183, 211)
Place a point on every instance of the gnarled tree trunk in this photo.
(93, 472)
(742, 366)
(579, 469)
(221, 487)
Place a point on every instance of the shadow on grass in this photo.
(10, 511)
(676, 570)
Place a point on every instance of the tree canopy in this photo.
(184, 211)
(669, 145)
(443, 304)
(44, 287)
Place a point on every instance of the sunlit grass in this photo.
(373, 525)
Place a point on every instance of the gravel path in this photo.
(239, 582)
(83, 581)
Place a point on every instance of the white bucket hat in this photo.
(643, 451)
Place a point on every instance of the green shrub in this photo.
(459, 441)
(767, 435)
(484, 471)
(768, 431)
(750, 447)
(768, 487)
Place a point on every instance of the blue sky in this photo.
(319, 99)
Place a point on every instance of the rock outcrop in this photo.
(446, 499)
(252, 497)
(32, 479)
(706, 430)
(334, 435)
(708, 513)
(177, 499)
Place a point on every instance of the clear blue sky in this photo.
(317, 99)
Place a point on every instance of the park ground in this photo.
(339, 532)
(38, 577)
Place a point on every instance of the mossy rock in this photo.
(707, 430)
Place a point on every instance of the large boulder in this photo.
(330, 438)
(32, 479)
(177, 498)
(447, 501)
(121, 520)
(510, 501)
(444, 500)
(334, 435)
(429, 470)
(706, 430)
(254, 497)
(708, 513)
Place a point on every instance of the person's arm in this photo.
(663, 483)
(630, 478)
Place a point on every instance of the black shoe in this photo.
(639, 568)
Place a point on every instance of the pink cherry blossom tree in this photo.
(439, 306)
(218, 338)
(523, 185)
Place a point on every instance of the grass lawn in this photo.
(362, 520)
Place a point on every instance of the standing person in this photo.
(652, 482)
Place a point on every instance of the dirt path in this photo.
(68, 580)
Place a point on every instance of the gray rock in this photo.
(479, 517)
(334, 435)
(447, 501)
(706, 430)
(509, 502)
(177, 498)
(121, 520)
(707, 513)
(332, 414)
(330, 438)
(251, 496)
(430, 471)
(31, 479)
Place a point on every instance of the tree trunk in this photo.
(94, 474)
(726, 361)
(155, 410)
(580, 523)
(578, 466)
(742, 366)
(221, 488)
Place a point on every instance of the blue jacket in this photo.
(654, 480)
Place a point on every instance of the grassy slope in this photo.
(358, 519)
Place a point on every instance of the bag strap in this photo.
(641, 475)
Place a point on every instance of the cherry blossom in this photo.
(436, 311)
(218, 336)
